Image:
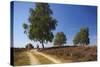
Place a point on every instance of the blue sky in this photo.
(70, 19)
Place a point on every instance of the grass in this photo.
(42, 59)
(20, 58)
(73, 54)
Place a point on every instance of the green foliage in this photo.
(41, 23)
(25, 26)
(60, 39)
(76, 38)
(82, 37)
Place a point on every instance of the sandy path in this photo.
(47, 56)
(33, 60)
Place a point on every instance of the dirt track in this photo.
(34, 60)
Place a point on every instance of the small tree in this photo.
(76, 39)
(29, 46)
(60, 39)
(82, 37)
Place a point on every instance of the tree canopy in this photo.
(41, 24)
(82, 37)
(76, 39)
(60, 39)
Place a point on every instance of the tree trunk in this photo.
(42, 44)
